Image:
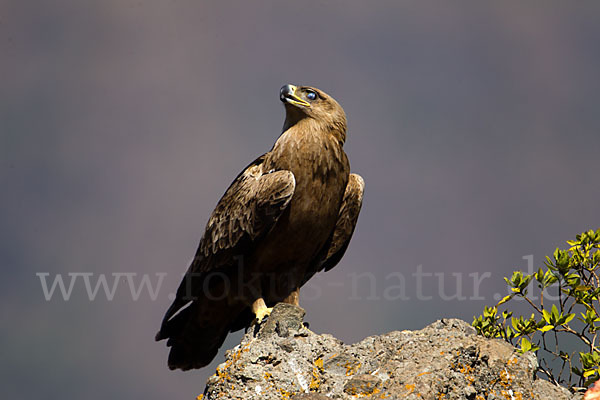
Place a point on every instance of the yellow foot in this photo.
(261, 313)
(260, 310)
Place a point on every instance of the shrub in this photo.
(575, 312)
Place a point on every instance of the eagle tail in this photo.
(194, 338)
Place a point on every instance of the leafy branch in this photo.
(574, 272)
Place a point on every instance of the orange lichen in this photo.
(221, 372)
(510, 395)
(351, 367)
(362, 390)
(319, 363)
(512, 361)
(315, 381)
(285, 395)
(505, 377)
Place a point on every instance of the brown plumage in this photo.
(288, 215)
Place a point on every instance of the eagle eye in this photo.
(311, 95)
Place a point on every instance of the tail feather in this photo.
(195, 354)
(194, 335)
(175, 324)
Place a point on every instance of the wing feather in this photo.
(247, 211)
(344, 227)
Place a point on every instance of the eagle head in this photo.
(312, 105)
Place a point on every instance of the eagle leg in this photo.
(260, 309)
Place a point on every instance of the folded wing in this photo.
(245, 214)
(344, 227)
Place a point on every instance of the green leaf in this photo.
(525, 345)
(505, 299)
(589, 373)
(554, 315)
(546, 316)
(539, 275)
(569, 318)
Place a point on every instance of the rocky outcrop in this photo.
(282, 359)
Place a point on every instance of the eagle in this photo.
(286, 216)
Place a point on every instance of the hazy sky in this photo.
(474, 124)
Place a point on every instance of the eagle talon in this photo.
(261, 313)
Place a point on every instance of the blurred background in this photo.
(474, 124)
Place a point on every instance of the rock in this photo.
(362, 385)
(285, 320)
(546, 390)
(309, 396)
(281, 359)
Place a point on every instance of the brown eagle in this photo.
(288, 215)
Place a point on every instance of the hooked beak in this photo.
(288, 95)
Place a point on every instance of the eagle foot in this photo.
(260, 310)
(261, 313)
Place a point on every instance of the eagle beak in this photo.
(288, 95)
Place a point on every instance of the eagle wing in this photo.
(247, 211)
(346, 222)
